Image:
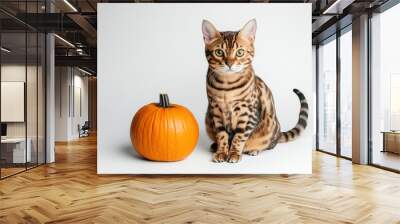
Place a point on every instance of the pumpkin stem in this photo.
(164, 100)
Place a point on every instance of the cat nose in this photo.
(229, 64)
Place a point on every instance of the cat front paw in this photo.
(234, 157)
(219, 157)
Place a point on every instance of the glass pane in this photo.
(327, 97)
(13, 88)
(386, 89)
(31, 100)
(41, 98)
(22, 89)
(346, 93)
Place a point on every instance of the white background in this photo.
(146, 49)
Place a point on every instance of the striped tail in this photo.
(301, 123)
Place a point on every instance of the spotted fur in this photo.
(241, 116)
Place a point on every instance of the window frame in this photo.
(381, 9)
(334, 37)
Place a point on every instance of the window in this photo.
(22, 77)
(385, 89)
(335, 74)
(327, 97)
(346, 94)
(394, 101)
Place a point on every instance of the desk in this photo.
(391, 141)
(13, 150)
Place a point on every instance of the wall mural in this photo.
(232, 111)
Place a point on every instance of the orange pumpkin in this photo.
(164, 131)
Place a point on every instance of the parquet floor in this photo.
(70, 191)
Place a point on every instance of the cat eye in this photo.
(240, 52)
(219, 53)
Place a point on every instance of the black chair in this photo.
(84, 130)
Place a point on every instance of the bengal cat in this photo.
(241, 116)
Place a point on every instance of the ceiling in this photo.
(75, 21)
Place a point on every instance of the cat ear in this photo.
(249, 30)
(209, 32)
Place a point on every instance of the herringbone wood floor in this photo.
(70, 191)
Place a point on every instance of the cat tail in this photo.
(301, 122)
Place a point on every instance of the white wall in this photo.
(12, 73)
(79, 117)
(62, 81)
(16, 72)
(67, 116)
(33, 127)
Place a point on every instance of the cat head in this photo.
(229, 52)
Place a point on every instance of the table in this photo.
(391, 141)
(13, 150)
